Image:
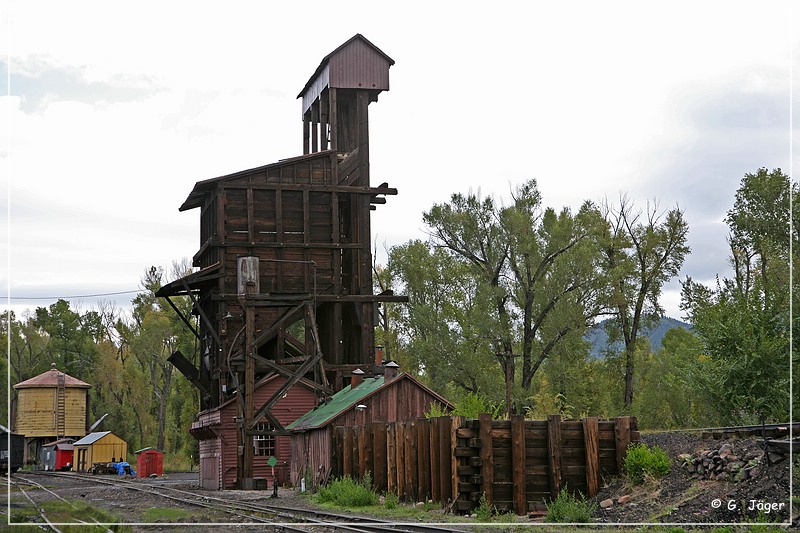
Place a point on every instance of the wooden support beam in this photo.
(487, 457)
(591, 442)
(554, 449)
(333, 111)
(182, 317)
(622, 437)
(456, 423)
(518, 464)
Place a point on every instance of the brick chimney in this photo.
(379, 355)
(356, 378)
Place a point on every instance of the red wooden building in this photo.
(57, 455)
(216, 431)
(382, 398)
(284, 280)
(149, 462)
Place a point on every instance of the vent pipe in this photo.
(390, 370)
(357, 378)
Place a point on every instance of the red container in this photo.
(63, 456)
(149, 461)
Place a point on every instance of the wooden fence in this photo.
(518, 464)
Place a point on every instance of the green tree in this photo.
(150, 337)
(641, 254)
(744, 321)
(72, 337)
(443, 328)
(555, 278)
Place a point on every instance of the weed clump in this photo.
(568, 508)
(643, 461)
(348, 492)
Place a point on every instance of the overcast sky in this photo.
(112, 115)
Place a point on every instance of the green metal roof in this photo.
(339, 402)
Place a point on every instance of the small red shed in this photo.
(57, 455)
(149, 461)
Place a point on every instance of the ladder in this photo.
(61, 406)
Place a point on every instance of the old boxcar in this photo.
(12, 450)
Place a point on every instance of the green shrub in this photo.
(569, 508)
(391, 500)
(347, 492)
(484, 511)
(643, 461)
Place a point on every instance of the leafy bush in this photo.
(391, 500)
(436, 410)
(347, 492)
(569, 508)
(484, 511)
(643, 461)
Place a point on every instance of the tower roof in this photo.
(50, 379)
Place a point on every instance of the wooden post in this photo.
(445, 478)
(487, 457)
(423, 459)
(412, 483)
(391, 459)
(554, 448)
(592, 445)
(400, 447)
(622, 438)
(434, 459)
(347, 453)
(379, 472)
(518, 463)
(455, 423)
(363, 452)
(248, 285)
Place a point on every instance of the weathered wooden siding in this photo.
(311, 457)
(359, 66)
(218, 443)
(107, 449)
(36, 410)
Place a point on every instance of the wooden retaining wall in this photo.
(518, 464)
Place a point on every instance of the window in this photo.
(264, 444)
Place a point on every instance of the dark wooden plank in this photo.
(423, 460)
(622, 434)
(380, 468)
(518, 463)
(487, 457)
(347, 453)
(554, 446)
(400, 448)
(391, 459)
(412, 481)
(592, 458)
(456, 422)
(434, 459)
(445, 478)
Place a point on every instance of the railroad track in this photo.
(768, 430)
(19, 486)
(290, 519)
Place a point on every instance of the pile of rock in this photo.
(725, 465)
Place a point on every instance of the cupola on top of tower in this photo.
(356, 64)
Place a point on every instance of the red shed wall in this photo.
(220, 453)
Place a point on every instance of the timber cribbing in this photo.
(514, 464)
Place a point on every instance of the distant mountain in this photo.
(599, 339)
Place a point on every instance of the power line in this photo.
(73, 296)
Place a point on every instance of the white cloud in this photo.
(121, 111)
